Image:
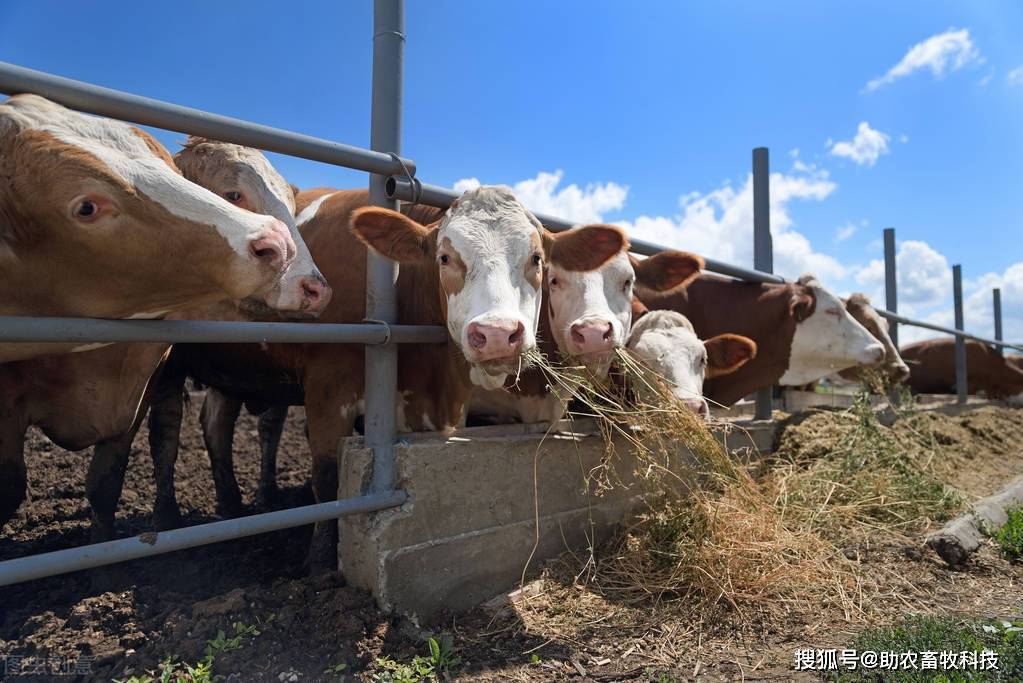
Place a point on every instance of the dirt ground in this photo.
(125, 619)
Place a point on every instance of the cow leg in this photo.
(271, 427)
(13, 473)
(105, 480)
(218, 417)
(328, 423)
(164, 436)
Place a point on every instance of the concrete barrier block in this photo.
(479, 501)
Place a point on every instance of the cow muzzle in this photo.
(495, 340)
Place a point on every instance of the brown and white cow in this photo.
(475, 268)
(665, 342)
(892, 366)
(95, 220)
(932, 369)
(802, 331)
(90, 397)
(588, 315)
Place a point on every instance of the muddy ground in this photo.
(125, 619)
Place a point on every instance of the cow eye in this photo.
(86, 210)
(627, 285)
(233, 197)
(445, 259)
(554, 282)
(537, 259)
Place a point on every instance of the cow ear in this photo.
(639, 309)
(727, 353)
(584, 249)
(667, 270)
(391, 234)
(801, 306)
(294, 191)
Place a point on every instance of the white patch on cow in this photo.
(90, 347)
(150, 315)
(125, 153)
(495, 237)
(428, 423)
(603, 297)
(665, 342)
(828, 341)
(505, 406)
(309, 212)
(400, 408)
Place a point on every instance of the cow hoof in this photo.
(102, 530)
(167, 518)
(267, 496)
(229, 510)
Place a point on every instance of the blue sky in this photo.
(638, 113)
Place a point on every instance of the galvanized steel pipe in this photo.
(147, 545)
(116, 104)
(92, 330)
(381, 273)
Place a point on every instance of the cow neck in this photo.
(711, 303)
(433, 379)
(532, 381)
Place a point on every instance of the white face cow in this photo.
(245, 178)
(591, 312)
(665, 342)
(827, 338)
(99, 207)
(489, 252)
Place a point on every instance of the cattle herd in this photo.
(97, 219)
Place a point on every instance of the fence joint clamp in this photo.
(387, 329)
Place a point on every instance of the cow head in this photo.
(245, 178)
(827, 339)
(665, 342)
(489, 255)
(95, 220)
(591, 310)
(891, 364)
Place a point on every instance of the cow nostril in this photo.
(515, 338)
(607, 332)
(477, 339)
(577, 336)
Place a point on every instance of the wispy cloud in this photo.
(583, 205)
(844, 232)
(865, 149)
(943, 53)
(1015, 77)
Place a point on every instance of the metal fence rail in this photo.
(392, 179)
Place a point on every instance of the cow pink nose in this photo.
(592, 337)
(273, 246)
(697, 405)
(496, 340)
(316, 293)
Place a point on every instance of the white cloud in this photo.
(1015, 77)
(986, 79)
(844, 232)
(719, 224)
(945, 52)
(582, 205)
(923, 275)
(865, 148)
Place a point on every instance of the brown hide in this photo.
(765, 313)
(932, 369)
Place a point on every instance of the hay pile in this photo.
(842, 473)
(721, 544)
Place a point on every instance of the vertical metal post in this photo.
(996, 295)
(763, 251)
(891, 297)
(382, 273)
(957, 294)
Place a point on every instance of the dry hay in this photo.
(719, 546)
